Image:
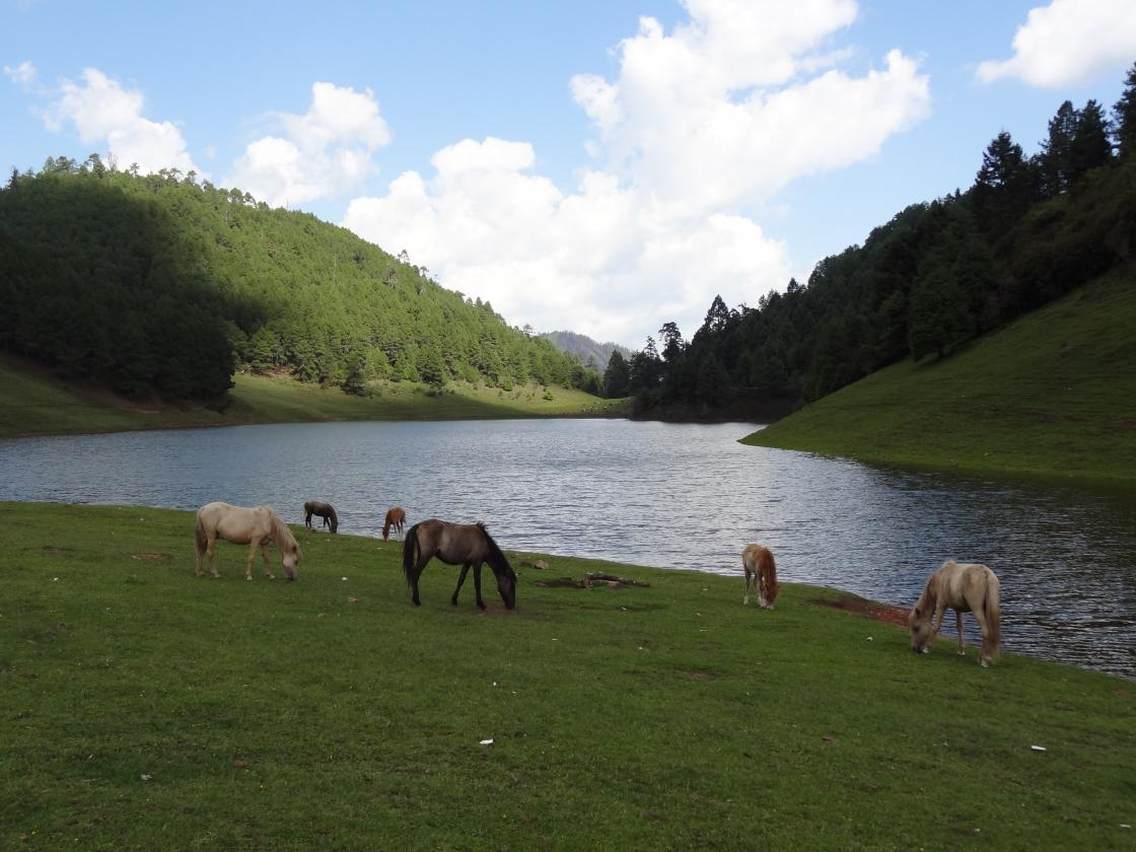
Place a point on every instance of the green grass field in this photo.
(144, 708)
(34, 403)
(1051, 394)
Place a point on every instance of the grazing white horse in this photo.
(964, 588)
(760, 574)
(254, 527)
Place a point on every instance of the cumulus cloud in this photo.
(23, 74)
(1068, 41)
(697, 126)
(324, 152)
(606, 260)
(104, 112)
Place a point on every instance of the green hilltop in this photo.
(162, 285)
(1050, 394)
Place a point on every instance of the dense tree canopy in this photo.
(935, 276)
(163, 284)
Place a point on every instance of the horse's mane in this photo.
(281, 534)
(496, 559)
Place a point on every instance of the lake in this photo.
(668, 495)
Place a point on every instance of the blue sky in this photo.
(564, 212)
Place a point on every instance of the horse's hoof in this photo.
(926, 650)
(961, 653)
(248, 579)
(984, 663)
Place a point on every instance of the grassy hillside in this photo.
(34, 403)
(145, 708)
(1053, 393)
(160, 284)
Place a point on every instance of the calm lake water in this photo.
(669, 495)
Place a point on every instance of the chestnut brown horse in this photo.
(467, 545)
(760, 574)
(962, 587)
(396, 519)
(323, 510)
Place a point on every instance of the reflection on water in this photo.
(672, 495)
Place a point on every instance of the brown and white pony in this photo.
(395, 518)
(457, 544)
(254, 527)
(964, 588)
(323, 510)
(760, 574)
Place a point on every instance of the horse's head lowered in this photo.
(921, 619)
(507, 586)
(290, 553)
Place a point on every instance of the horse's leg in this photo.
(477, 584)
(422, 560)
(267, 565)
(745, 597)
(762, 589)
(985, 656)
(253, 545)
(211, 552)
(461, 579)
(962, 641)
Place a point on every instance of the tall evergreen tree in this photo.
(1091, 148)
(617, 377)
(1124, 116)
(1056, 157)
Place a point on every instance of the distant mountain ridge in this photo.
(584, 348)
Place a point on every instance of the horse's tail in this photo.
(200, 538)
(410, 552)
(992, 610)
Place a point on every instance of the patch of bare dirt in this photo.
(146, 556)
(869, 609)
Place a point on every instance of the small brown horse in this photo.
(760, 574)
(457, 544)
(963, 588)
(395, 518)
(323, 510)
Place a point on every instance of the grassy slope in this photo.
(32, 403)
(332, 712)
(1053, 393)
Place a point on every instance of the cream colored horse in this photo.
(254, 527)
(963, 588)
(760, 574)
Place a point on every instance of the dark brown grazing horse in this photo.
(457, 544)
(324, 510)
(395, 518)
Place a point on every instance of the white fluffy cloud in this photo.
(1067, 41)
(326, 151)
(103, 112)
(606, 260)
(697, 126)
(23, 74)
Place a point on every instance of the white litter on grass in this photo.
(1037, 748)
(55, 579)
(487, 742)
(870, 639)
(342, 578)
(1125, 825)
(494, 683)
(147, 777)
